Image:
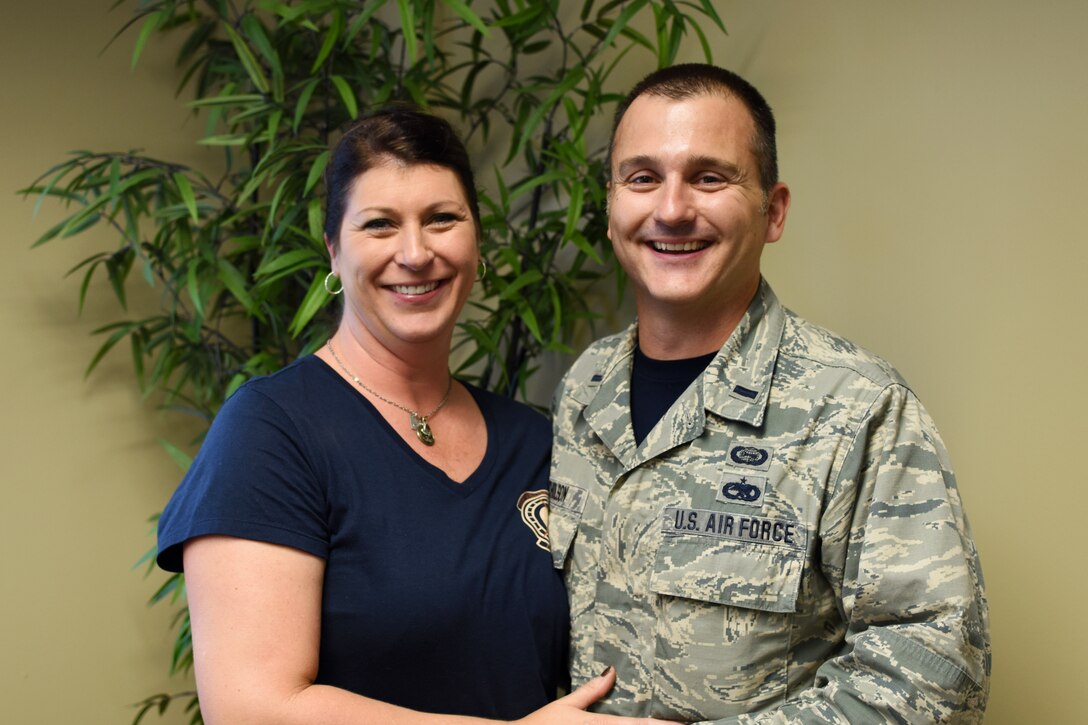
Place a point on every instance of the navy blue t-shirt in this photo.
(655, 386)
(439, 596)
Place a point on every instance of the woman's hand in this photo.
(571, 710)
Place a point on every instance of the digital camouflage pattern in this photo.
(787, 544)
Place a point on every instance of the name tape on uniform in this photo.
(566, 496)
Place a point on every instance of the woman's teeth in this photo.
(414, 289)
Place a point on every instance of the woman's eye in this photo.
(444, 218)
(377, 225)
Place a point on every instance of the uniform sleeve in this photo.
(897, 549)
(251, 479)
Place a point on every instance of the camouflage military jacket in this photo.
(786, 545)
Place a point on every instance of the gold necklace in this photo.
(417, 421)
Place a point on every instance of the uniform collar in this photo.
(736, 385)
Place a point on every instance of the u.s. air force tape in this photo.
(725, 525)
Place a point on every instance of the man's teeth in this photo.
(414, 289)
(678, 246)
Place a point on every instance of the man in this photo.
(757, 520)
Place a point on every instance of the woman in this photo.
(360, 533)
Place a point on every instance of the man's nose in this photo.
(675, 204)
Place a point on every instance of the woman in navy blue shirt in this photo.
(364, 537)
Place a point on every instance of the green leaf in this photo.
(708, 9)
(528, 316)
(231, 99)
(408, 27)
(316, 298)
(149, 26)
(329, 42)
(294, 260)
(236, 382)
(233, 280)
(256, 32)
(525, 132)
(192, 286)
(574, 208)
(629, 11)
(249, 62)
(186, 191)
(315, 218)
(229, 139)
(303, 102)
(465, 13)
(120, 330)
(182, 459)
(529, 277)
(362, 20)
(346, 95)
(316, 171)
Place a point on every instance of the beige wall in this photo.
(936, 153)
(81, 469)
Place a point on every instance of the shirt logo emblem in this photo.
(750, 456)
(533, 506)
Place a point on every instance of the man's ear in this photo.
(778, 205)
(608, 207)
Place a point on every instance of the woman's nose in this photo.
(414, 252)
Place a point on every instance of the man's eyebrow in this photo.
(713, 162)
(633, 163)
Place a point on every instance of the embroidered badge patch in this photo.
(533, 506)
(749, 455)
(567, 496)
(742, 488)
(722, 525)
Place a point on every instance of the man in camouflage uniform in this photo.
(780, 538)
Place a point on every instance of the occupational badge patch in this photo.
(748, 455)
(743, 488)
(533, 506)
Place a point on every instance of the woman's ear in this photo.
(333, 250)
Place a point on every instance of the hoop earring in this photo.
(481, 271)
(328, 287)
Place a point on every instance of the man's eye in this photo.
(641, 179)
(711, 179)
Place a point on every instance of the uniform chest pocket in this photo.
(724, 613)
(567, 499)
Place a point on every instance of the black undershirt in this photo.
(655, 386)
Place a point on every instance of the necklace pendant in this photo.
(423, 431)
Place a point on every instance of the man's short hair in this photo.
(688, 80)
